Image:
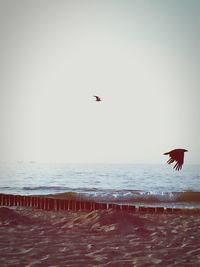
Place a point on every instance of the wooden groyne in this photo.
(56, 204)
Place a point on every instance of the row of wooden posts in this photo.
(47, 203)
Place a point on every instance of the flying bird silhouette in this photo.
(176, 155)
(97, 98)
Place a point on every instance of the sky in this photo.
(142, 57)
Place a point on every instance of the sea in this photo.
(135, 184)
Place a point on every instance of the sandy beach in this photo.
(31, 237)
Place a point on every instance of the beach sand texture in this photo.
(32, 237)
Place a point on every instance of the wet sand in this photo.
(31, 237)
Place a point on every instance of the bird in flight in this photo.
(97, 98)
(176, 155)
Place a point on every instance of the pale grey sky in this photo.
(142, 58)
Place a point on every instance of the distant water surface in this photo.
(122, 183)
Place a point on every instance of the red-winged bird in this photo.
(176, 155)
(97, 98)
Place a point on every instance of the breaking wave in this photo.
(109, 195)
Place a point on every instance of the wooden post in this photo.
(6, 200)
(103, 206)
(151, 209)
(28, 202)
(160, 209)
(57, 204)
(176, 210)
(143, 209)
(66, 204)
(97, 206)
(23, 201)
(34, 202)
(18, 200)
(125, 207)
(132, 208)
(41, 203)
(46, 204)
(87, 205)
(3, 200)
(78, 205)
(51, 204)
(61, 204)
(82, 205)
(10, 200)
(169, 210)
(110, 205)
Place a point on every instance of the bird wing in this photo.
(178, 166)
(97, 98)
(177, 156)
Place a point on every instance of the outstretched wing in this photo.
(179, 161)
(97, 98)
(178, 166)
(178, 157)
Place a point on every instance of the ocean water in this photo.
(151, 185)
